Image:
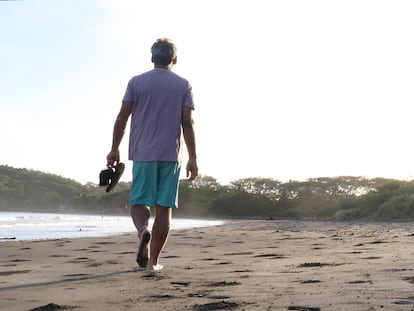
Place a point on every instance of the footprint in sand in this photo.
(303, 308)
(52, 307)
(360, 282)
(77, 275)
(240, 253)
(222, 305)
(160, 297)
(181, 283)
(318, 265)
(242, 271)
(207, 295)
(104, 243)
(6, 273)
(223, 263)
(409, 279)
(152, 276)
(223, 283)
(405, 301)
(171, 256)
(310, 281)
(271, 256)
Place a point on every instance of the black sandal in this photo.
(111, 176)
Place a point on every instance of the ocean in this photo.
(35, 226)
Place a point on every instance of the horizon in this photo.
(218, 181)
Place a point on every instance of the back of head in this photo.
(163, 52)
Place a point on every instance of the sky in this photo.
(287, 90)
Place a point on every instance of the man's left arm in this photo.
(187, 124)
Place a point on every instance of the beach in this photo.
(241, 265)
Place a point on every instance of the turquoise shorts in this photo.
(155, 183)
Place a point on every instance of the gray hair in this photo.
(163, 52)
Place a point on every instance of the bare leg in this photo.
(140, 215)
(160, 231)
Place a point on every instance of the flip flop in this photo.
(111, 176)
(118, 171)
(105, 177)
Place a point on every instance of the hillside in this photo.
(338, 198)
(34, 191)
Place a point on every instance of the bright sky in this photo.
(283, 89)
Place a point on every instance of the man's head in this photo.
(164, 53)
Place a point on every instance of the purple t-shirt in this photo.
(157, 98)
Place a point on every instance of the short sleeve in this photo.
(188, 97)
(128, 97)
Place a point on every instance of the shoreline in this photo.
(40, 226)
(241, 265)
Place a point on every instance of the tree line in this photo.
(334, 198)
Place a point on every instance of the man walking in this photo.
(160, 104)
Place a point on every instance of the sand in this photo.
(242, 265)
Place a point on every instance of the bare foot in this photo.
(142, 256)
(156, 267)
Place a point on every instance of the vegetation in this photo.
(338, 198)
(34, 191)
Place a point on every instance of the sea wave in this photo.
(33, 226)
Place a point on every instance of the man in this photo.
(161, 105)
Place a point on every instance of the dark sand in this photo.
(243, 265)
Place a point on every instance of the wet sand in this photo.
(242, 265)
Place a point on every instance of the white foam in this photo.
(29, 226)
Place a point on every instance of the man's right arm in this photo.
(118, 133)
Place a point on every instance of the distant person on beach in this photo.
(160, 104)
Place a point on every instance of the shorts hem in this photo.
(165, 205)
(141, 203)
(151, 205)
